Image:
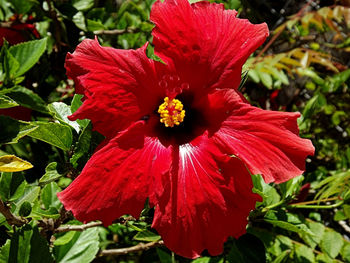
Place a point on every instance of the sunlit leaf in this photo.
(304, 254)
(331, 243)
(7, 102)
(50, 175)
(11, 163)
(82, 247)
(61, 111)
(147, 236)
(56, 134)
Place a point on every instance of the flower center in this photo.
(171, 112)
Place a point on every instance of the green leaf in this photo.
(147, 236)
(304, 254)
(313, 105)
(93, 25)
(334, 82)
(30, 195)
(266, 79)
(291, 187)
(345, 252)
(28, 246)
(39, 214)
(64, 239)
(253, 75)
(312, 74)
(7, 102)
(82, 148)
(346, 209)
(79, 20)
(11, 186)
(5, 252)
(10, 65)
(331, 243)
(347, 194)
(64, 182)
(49, 196)
(268, 192)
(76, 103)
(12, 130)
(235, 256)
(338, 116)
(324, 258)
(25, 209)
(27, 98)
(234, 4)
(318, 230)
(23, 6)
(300, 228)
(339, 215)
(164, 257)
(201, 259)
(282, 257)
(56, 134)
(61, 111)
(83, 5)
(27, 54)
(50, 175)
(274, 244)
(83, 247)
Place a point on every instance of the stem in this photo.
(265, 209)
(121, 220)
(127, 250)
(317, 201)
(272, 40)
(11, 218)
(77, 227)
(317, 206)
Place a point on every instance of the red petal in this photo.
(18, 112)
(207, 44)
(209, 199)
(267, 141)
(118, 85)
(118, 178)
(216, 106)
(12, 36)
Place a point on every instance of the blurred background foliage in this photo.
(303, 66)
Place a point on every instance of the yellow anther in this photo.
(171, 112)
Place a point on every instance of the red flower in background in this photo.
(179, 133)
(15, 33)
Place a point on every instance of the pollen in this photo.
(171, 112)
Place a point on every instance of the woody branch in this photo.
(11, 218)
(127, 250)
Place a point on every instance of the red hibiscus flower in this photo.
(179, 133)
(16, 32)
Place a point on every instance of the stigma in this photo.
(171, 112)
